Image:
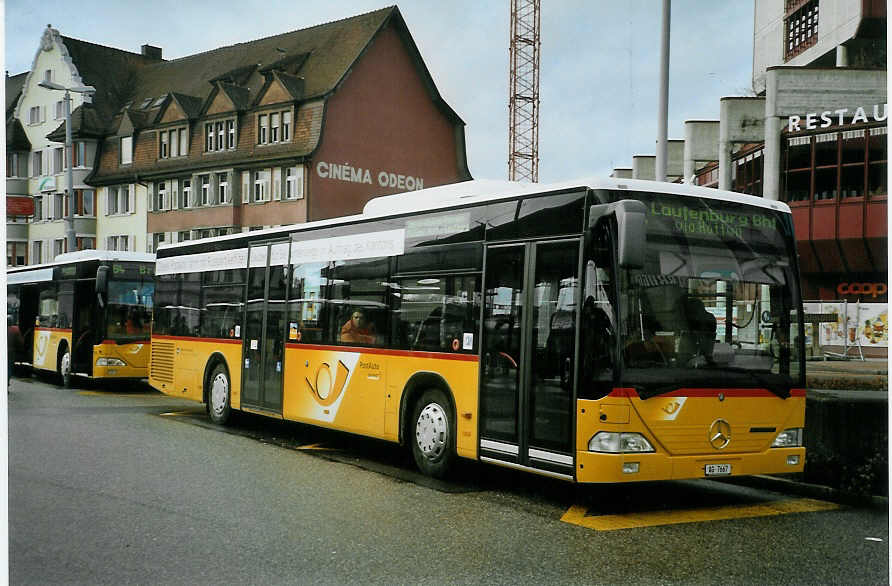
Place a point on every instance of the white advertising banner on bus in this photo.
(353, 247)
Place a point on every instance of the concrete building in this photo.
(301, 126)
(813, 136)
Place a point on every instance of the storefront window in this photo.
(798, 169)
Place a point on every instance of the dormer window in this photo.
(126, 150)
(274, 127)
(219, 135)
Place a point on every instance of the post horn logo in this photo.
(719, 434)
(326, 391)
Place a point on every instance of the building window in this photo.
(274, 127)
(261, 185)
(183, 136)
(186, 193)
(117, 243)
(831, 165)
(15, 254)
(48, 75)
(58, 158)
(38, 208)
(800, 26)
(163, 149)
(161, 201)
(60, 110)
(37, 164)
(16, 164)
(111, 207)
(286, 126)
(126, 150)
(84, 202)
(58, 206)
(230, 134)
(747, 172)
(35, 115)
(183, 236)
(157, 240)
(36, 249)
(86, 243)
(219, 136)
(80, 154)
(59, 246)
(294, 183)
(205, 190)
(223, 192)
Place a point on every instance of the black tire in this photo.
(432, 433)
(63, 367)
(219, 394)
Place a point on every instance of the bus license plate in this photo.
(718, 469)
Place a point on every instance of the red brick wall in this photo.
(381, 119)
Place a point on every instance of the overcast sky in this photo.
(599, 61)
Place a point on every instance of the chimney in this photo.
(151, 52)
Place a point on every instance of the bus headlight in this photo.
(110, 362)
(612, 442)
(788, 438)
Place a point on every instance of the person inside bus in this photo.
(358, 329)
(699, 337)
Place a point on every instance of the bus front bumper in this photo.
(596, 467)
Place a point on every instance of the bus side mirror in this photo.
(102, 285)
(630, 234)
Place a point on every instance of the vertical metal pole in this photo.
(663, 111)
(69, 217)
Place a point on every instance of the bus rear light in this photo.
(788, 438)
(104, 361)
(612, 442)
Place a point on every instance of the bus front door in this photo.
(529, 355)
(264, 336)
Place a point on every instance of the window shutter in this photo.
(150, 192)
(131, 198)
(266, 184)
(230, 180)
(277, 183)
(246, 186)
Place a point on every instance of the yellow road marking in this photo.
(576, 515)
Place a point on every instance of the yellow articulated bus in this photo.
(595, 331)
(87, 313)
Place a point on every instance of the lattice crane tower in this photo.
(523, 101)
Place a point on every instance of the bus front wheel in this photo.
(433, 434)
(219, 409)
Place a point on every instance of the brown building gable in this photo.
(172, 113)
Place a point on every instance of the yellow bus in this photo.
(87, 313)
(595, 331)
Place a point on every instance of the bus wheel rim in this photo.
(219, 391)
(65, 365)
(432, 431)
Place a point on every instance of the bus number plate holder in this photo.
(718, 469)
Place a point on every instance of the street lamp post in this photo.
(69, 217)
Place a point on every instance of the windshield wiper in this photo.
(782, 391)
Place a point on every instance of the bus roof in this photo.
(88, 255)
(480, 191)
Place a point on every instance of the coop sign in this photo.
(351, 174)
(872, 289)
(859, 115)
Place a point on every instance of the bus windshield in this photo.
(129, 309)
(716, 303)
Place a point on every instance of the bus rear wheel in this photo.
(433, 434)
(219, 409)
